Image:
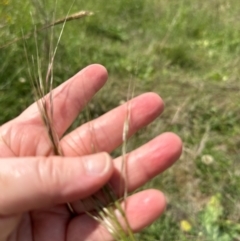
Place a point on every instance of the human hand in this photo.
(36, 185)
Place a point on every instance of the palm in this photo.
(26, 136)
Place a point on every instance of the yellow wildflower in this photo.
(185, 226)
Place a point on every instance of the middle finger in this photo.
(105, 133)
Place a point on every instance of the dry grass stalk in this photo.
(74, 16)
(105, 211)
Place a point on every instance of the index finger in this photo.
(70, 98)
(26, 135)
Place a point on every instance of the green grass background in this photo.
(188, 52)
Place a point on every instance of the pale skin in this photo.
(35, 186)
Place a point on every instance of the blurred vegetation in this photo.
(186, 51)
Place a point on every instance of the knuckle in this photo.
(49, 173)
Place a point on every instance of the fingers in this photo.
(70, 97)
(142, 165)
(141, 209)
(105, 133)
(27, 136)
(148, 161)
(32, 183)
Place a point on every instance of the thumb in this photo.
(37, 182)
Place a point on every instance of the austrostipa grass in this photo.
(196, 71)
(109, 209)
(75, 16)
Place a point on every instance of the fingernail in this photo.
(97, 164)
